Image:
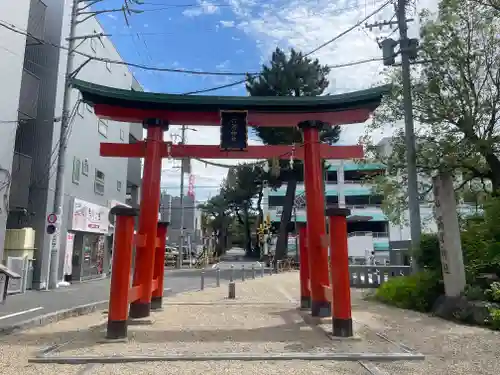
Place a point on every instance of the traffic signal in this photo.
(51, 229)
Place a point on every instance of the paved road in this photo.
(33, 303)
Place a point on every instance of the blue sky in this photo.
(238, 36)
(189, 37)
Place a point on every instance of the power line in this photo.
(301, 17)
(239, 82)
(18, 30)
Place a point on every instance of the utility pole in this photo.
(408, 50)
(61, 154)
(181, 245)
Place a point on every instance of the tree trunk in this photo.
(286, 216)
(248, 235)
(260, 219)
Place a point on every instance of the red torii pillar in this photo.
(339, 264)
(148, 218)
(159, 265)
(316, 222)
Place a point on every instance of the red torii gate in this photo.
(157, 111)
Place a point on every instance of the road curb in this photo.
(43, 320)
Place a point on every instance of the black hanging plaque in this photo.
(233, 130)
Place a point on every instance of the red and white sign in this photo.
(51, 218)
(191, 186)
(68, 256)
(89, 217)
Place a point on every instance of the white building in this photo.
(35, 70)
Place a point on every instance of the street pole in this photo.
(181, 247)
(265, 208)
(61, 154)
(413, 196)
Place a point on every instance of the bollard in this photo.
(253, 271)
(242, 272)
(202, 286)
(278, 264)
(231, 275)
(232, 290)
(217, 276)
(262, 270)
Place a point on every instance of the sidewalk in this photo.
(20, 308)
(262, 322)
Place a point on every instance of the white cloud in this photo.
(207, 177)
(205, 7)
(112, 16)
(227, 23)
(304, 25)
(223, 65)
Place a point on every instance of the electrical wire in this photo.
(338, 36)
(18, 30)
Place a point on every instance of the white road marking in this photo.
(20, 313)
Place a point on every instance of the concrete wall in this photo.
(12, 47)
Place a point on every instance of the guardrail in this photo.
(374, 234)
(232, 273)
(374, 276)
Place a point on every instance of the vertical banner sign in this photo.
(233, 130)
(191, 186)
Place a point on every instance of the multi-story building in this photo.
(92, 184)
(170, 210)
(12, 73)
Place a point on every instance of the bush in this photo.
(414, 292)
(428, 255)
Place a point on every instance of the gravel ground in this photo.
(262, 319)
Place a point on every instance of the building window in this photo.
(76, 170)
(102, 128)
(99, 182)
(108, 66)
(119, 185)
(122, 134)
(85, 167)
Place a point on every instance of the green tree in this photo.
(217, 220)
(455, 104)
(241, 187)
(290, 75)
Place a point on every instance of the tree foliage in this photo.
(456, 104)
(290, 75)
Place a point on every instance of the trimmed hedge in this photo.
(415, 292)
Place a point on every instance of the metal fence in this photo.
(374, 276)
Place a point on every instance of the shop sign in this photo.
(89, 217)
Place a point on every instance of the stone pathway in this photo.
(263, 319)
